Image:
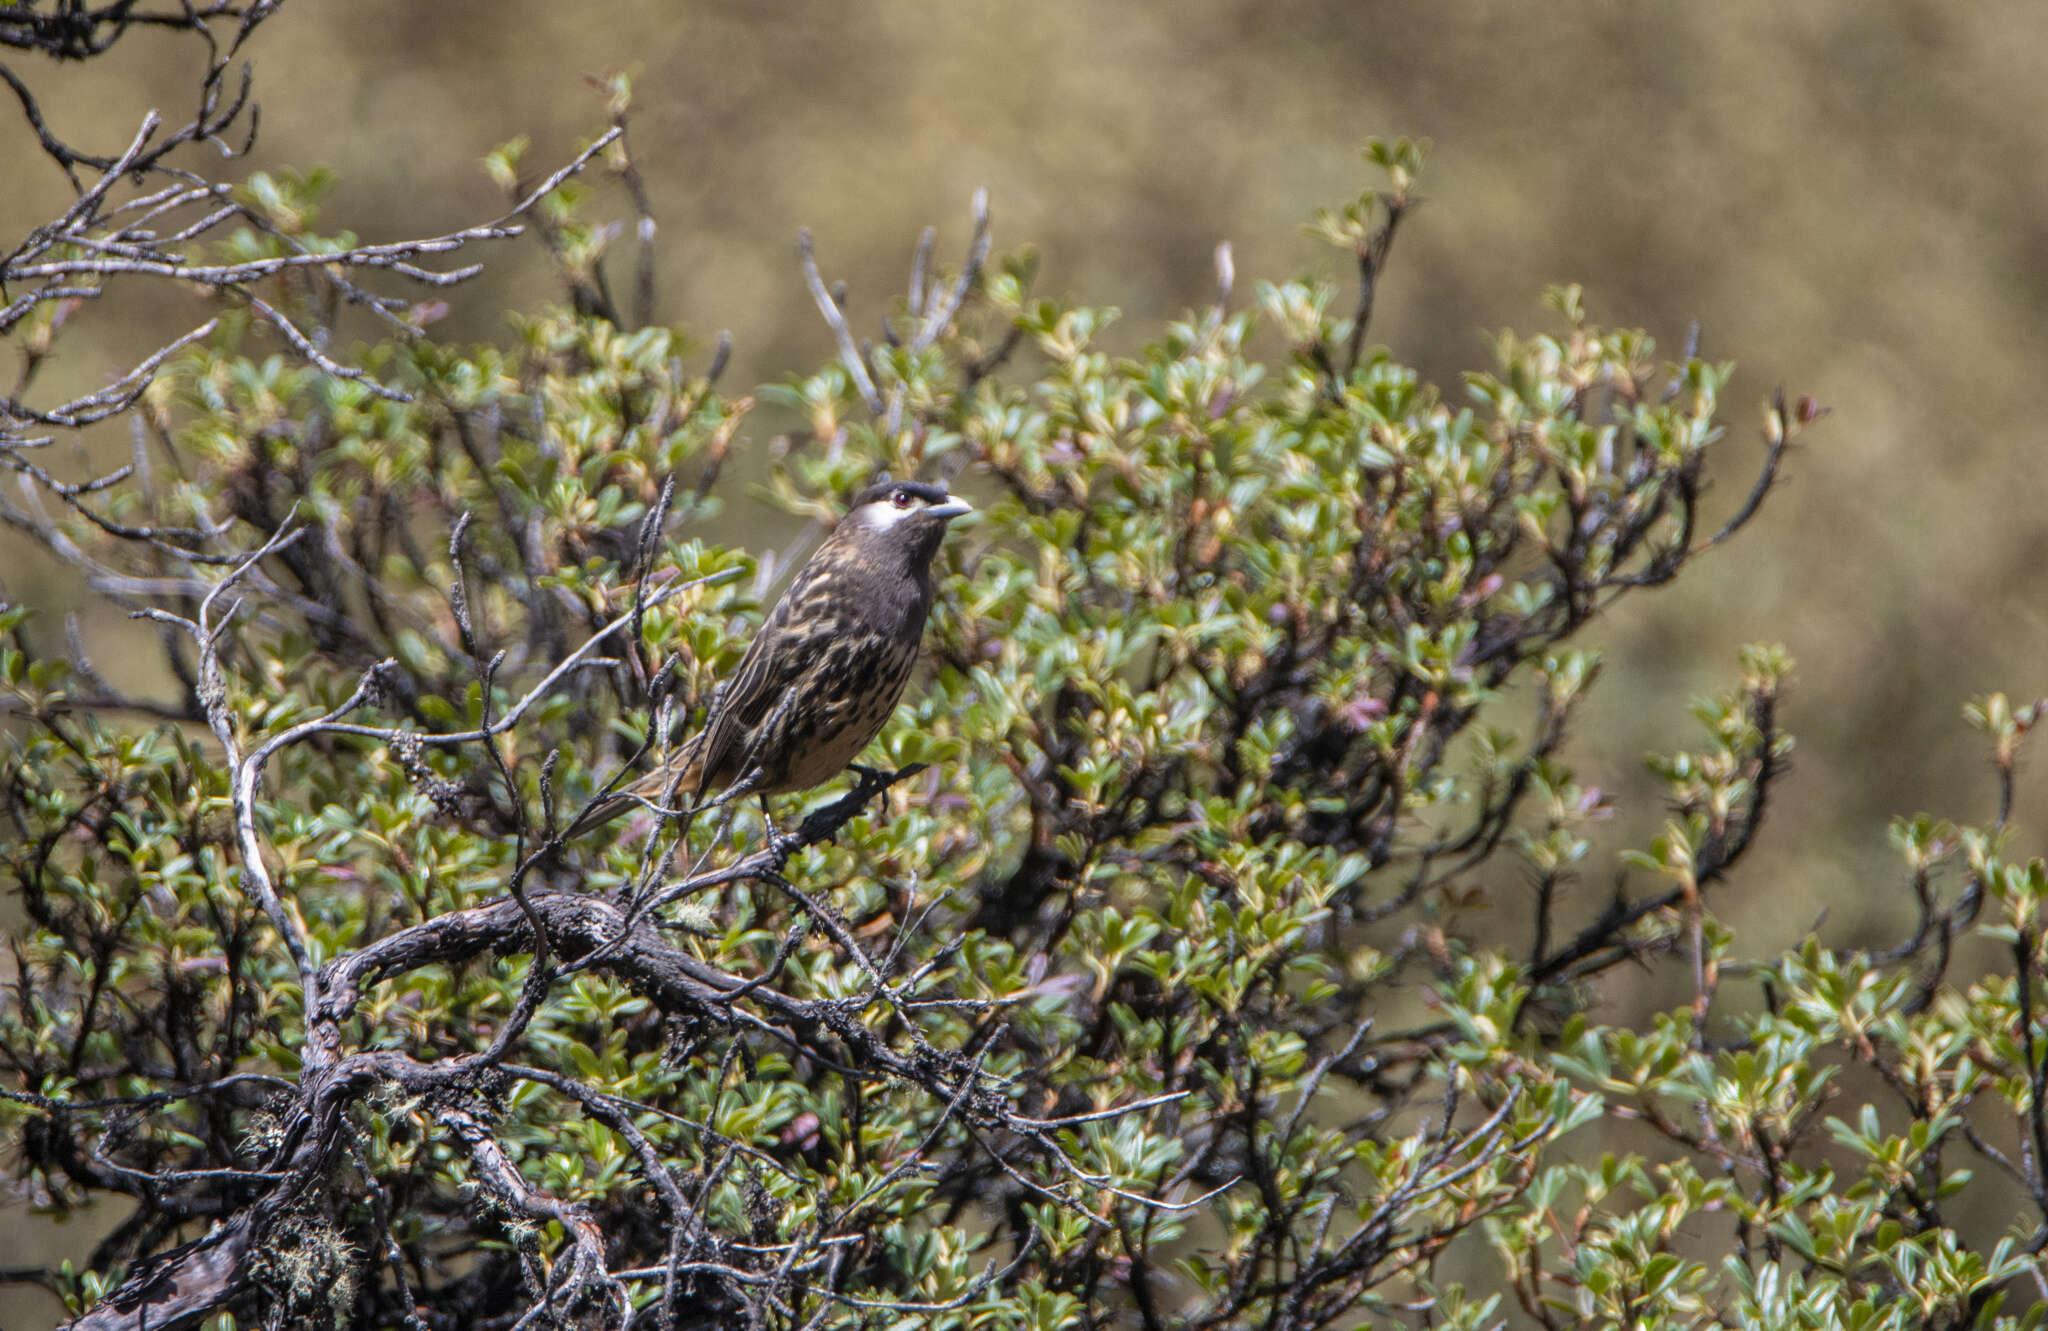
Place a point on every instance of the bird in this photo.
(827, 667)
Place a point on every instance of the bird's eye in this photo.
(902, 499)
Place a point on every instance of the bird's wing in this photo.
(796, 630)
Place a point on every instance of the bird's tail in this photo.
(598, 814)
(664, 787)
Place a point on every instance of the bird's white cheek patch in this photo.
(884, 516)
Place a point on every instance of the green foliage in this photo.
(1164, 995)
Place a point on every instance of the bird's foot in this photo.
(882, 780)
(823, 825)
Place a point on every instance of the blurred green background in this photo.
(1849, 198)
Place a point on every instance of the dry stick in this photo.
(380, 1213)
(151, 1100)
(588, 1269)
(304, 346)
(947, 302)
(133, 257)
(674, 978)
(213, 697)
(1372, 259)
(323, 1036)
(920, 267)
(849, 354)
(58, 151)
(41, 236)
(690, 1228)
(391, 255)
(115, 397)
(942, 305)
(989, 1276)
(1778, 441)
(644, 229)
(539, 691)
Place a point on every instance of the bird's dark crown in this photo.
(888, 489)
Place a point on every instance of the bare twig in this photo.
(849, 354)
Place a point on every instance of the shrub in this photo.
(1150, 982)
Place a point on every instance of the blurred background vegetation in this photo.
(1847, 198)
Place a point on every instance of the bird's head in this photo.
(908, 516)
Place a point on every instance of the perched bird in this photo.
(827, 667)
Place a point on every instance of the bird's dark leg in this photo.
(769, 836)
